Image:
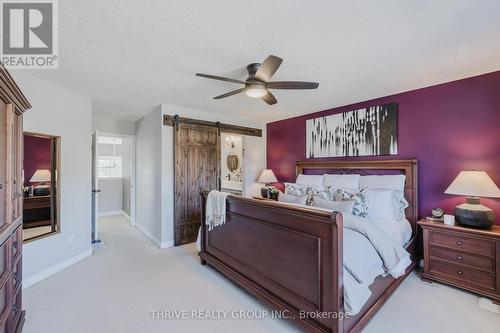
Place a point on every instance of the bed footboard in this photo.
(287, 256)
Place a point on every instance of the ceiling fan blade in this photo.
(292, 85)
(231, 93)
(268, 68)
(220, 78)
(269, 98)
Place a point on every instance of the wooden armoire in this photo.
(12, 105)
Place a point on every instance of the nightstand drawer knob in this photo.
(460, 243)
(459, 272)
(459, 257)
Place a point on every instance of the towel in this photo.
(216, 209)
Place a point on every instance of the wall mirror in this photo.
(232, 162)
(41, 190)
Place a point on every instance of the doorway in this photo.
(231, 163)
(113, 178)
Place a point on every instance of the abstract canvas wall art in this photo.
(364, 132)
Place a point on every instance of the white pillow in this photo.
(311, 180)
(386, 204)
(383, 182)
(337, 206)
(341, 181)
(301, 200)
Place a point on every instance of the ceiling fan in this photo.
(257, 84)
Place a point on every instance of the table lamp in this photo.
(474, 184)
(266, 177)
(41, 176)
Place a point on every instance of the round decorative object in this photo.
(437, 212)
(232, 162)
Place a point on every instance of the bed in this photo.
(290, 257)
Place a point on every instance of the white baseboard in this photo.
(126, 215)
(167, 244)
(156, 241)
(148, 235)
(116, 212)
(28, 282)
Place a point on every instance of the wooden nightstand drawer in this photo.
(459, 242)
(463, 274)
(463, 259)
(467, 258)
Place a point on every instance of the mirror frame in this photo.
(55, 147)
(238, 163)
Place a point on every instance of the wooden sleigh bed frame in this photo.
(291, 257)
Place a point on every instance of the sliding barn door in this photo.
(196, 169)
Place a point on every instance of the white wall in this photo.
(112, 125)
(148, 175)
(58, 111)
(110, 197)
(127, 152)
(254, 162)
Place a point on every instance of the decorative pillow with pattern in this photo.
(296, 189)
(301, 190)
(360, 199)
(326, 193)
(313, 191)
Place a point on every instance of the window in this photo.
(109, 164)
(109, 140)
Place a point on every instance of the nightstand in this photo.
(463, 257)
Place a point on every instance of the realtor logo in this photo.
(29, 34)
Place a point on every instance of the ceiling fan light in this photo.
(255, 92)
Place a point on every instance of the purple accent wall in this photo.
(36, 156)
(449, 127)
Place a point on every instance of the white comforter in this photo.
(368, 253)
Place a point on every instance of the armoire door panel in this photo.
(9, 163)
(3, 166)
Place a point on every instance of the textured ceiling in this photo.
(130, 55)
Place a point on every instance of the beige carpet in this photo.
(117, 288)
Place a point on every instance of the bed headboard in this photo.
(407, 167)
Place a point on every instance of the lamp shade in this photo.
(267, 176)
(41, 175)
(475, 184)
